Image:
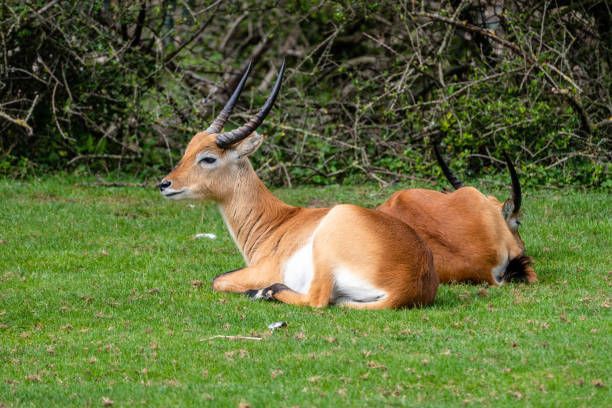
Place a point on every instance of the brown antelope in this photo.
(473, 237)
(348, 255)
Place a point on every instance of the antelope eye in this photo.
(208, 159)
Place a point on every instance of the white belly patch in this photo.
(299, 269)
(348, 287)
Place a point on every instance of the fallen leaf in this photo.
(375, 365)
(598, 383)
(244, 404)
(277, 325)
(208, 235)
(107, 402)
(172, 382)
(33, 378)
(197, 283)
(516, 394)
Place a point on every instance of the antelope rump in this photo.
(473, 237)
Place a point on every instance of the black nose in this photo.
(164, 185)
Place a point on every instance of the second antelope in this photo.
(473, 237)
(346, 255)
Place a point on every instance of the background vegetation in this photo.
(120, 86)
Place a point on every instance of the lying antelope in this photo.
(348, 255)
(473, 237)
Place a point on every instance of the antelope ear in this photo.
(507, 209)
(249, 145)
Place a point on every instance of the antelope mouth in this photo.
(173, 194)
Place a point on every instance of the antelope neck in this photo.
(252, 213)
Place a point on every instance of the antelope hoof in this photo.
(257, 294)
(254, 294)
(270, 291)
(266, 293)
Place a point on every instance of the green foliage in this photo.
(370, 86)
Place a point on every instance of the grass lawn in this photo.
(105, 299)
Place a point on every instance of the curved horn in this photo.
(517, 197)
(457, 184)
(220, 120)
(226, 139)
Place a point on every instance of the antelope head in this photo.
(214, 159)
(520, 267)
(510, 209)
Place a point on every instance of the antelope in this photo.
(473, 237)
(346, 255)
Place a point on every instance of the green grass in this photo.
(100, 298)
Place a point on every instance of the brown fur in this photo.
(466, 232)
(378, 248)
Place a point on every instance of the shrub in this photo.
(115, 86)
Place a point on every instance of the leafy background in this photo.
(117, 88)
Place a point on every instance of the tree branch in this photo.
(19, 122)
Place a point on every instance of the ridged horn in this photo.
(220, 120)
(456, 183)
(517, 197)
(226, 139)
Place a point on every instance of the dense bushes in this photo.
(111, 86)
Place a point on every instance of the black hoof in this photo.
(252, 293)
(266, 293)
(274, 289)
